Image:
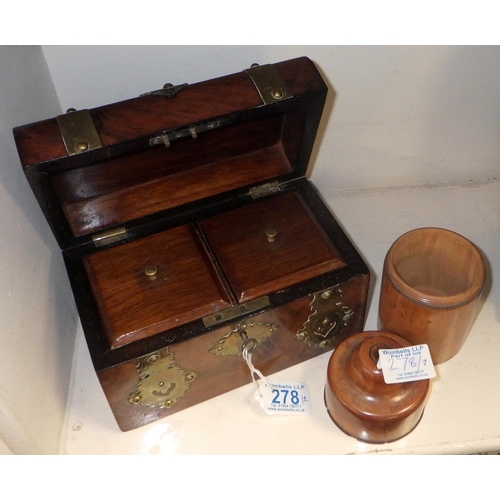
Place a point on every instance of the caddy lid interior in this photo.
(172, 150)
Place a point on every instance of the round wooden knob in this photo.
(271, 234)
(151, 271)
(357, 397)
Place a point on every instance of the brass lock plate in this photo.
(247, 333)
(162, 382)
(327, 319)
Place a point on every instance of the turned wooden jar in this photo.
(358, 399)
(431, 286)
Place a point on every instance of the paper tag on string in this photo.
(406, 364)
(287, 398)
(278, 399)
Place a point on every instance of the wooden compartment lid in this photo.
(270, 245)
(153, 284)
(175, 149)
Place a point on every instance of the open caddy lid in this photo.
(103, 175)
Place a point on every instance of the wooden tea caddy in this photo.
(190, 232)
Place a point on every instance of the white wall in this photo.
(403, 115)
(38, 319)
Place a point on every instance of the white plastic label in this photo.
(406, 364)
(287, 398)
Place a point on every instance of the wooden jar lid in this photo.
(357, 397)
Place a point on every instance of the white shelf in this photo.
(462, 414)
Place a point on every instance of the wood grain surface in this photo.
(255, 266)
(133, 306)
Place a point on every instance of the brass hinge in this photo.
(265, 189)
(78, 131)
(108, 237)
(269, 83)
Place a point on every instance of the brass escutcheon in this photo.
(247, 334)
(327, 319)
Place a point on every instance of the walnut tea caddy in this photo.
(189, 230)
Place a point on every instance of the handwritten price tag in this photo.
(406, 364)
(279, 399)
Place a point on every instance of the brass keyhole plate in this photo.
(232, 344)
(327, 319)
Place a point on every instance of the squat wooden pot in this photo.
(357, 397)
